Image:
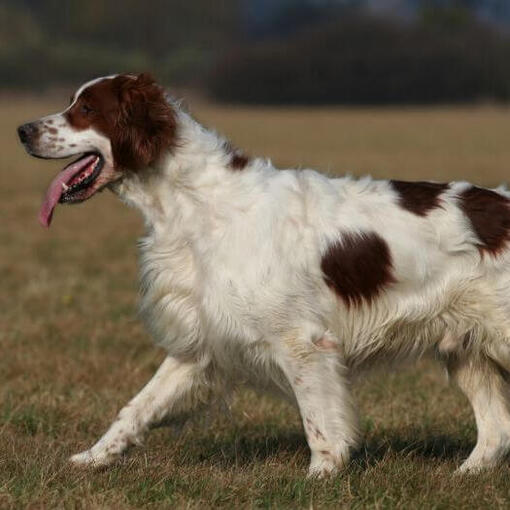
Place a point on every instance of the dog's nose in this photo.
(26, 131)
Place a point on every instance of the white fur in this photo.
(232, 288)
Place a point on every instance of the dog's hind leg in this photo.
(487, 387)
(320, 385)
(174, 389)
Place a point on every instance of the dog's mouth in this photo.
(77, 182)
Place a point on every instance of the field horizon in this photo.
(74, 351)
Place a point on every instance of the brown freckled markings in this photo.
(72, 145)
(324, 343)
(489, 214)
(357, 267)
(319, 434)
(419, 197)
(52, 130)
(314, 430)
(50, 121)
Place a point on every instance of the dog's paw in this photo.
(90, 459)
(322, 470)
(322, 467)
(470, 467)
(323, 463)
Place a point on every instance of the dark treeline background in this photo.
(267, 51)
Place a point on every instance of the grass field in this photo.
(73, 352)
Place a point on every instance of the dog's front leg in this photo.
(314, 369)
(172, 391)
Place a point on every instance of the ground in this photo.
(73, 351)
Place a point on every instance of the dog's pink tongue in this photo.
(55, 189)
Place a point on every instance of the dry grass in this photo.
(72, 351)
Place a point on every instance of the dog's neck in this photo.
(194, 176)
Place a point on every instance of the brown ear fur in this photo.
(146, 123)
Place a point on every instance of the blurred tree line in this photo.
(358, 59)
(266, 51)
(51, 42)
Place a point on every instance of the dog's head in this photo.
(116, 124)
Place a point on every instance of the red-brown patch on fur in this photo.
(419, 197)
(238, 160)
(357, 267)
(489, 214)
(52, 130)
(132, 111)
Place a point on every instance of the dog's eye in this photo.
(85, 109)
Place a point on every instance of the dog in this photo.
(286, 280)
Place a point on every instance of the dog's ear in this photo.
(145, 124)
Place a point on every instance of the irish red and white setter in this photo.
(286, 279)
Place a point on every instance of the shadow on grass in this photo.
(249, 444)
(414, 443)
(243, 447)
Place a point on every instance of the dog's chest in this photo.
(188, 305)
